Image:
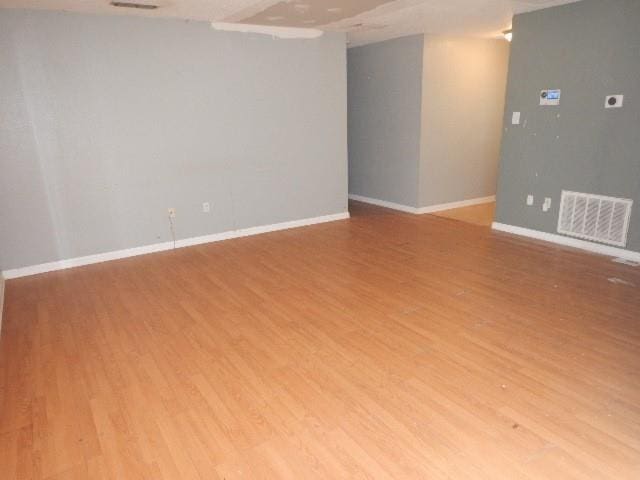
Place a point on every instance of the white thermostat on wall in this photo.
(550, 97)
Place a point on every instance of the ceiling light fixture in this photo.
(508, 35)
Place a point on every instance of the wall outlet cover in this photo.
(529, 200)
(614, 101)
(515, 118)
(206, 207)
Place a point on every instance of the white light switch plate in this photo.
(515, 118)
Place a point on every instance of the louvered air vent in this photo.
(595, 217)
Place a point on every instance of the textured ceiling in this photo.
(366, 21)
(306, 13)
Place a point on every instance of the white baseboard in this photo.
(384, 203)
(460, 204)
(423, 210)
(1, 299)
(159, 247)
(568, 241)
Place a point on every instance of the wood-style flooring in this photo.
(388, 346)
(482, 214)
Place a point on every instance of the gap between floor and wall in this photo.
(160, 247)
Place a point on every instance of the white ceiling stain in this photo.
(365, 21)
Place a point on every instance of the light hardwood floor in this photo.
(385, 346)
(477, 214)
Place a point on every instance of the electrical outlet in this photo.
(546, 206)
(529, 200)
(614, 101)
(206, 207)
(171, 212)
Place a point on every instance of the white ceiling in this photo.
(377, 20)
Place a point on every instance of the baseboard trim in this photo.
(384, 203)
(424, 210)
(451, 205)
(1, 299)
(568, 241)
(160, 247)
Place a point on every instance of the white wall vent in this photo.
(595, 217)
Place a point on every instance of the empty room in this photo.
(312, 239)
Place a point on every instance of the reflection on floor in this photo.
(477, 214)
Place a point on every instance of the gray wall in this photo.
(108, 121)
(464, 84)
(385, 92)
(588, 49)
(425, 119)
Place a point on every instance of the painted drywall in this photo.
(385, 84)
(589, 50)
(463, 87)
(425, 119)
(108, 121)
